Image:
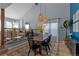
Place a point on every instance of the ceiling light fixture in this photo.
(41, 17)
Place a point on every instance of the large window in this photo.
(15, 25)
(50, 28)
(27, 26)
(54, 29)
(46, 28)
(11, 24)
(8, 24)
(76, 22)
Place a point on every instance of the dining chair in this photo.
(49, 39)
(46, 42)
(32, 46)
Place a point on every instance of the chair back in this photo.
(32, 33)
(29, 40)
(49, 39)
(45, 41)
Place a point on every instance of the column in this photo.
(2, 27)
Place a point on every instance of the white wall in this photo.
(53, 10)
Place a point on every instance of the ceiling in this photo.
(17, 10)
(20, 10)
(4, 5)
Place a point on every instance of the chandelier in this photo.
(41, 17)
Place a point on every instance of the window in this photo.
(51, 28)
(76, 22)
(15, 25)
(27, 27)
(8, 24)
(46, 28)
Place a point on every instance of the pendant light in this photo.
(40, 17)
(45, 19)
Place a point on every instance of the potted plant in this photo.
(66, 25)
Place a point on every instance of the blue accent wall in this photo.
(73, 9)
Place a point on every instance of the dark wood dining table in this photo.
(38, 40)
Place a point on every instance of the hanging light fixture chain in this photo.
(45, 9)
(40, 8)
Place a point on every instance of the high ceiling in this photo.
(21, 10)
(4, 5)
(17, 10)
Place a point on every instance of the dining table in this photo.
(38, 39)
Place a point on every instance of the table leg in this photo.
(40, 50)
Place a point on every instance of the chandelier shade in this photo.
(41, 17)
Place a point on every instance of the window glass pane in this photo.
(54, 29)
(76, 19)
(46, 28)
(16, 25)
(27, 27)
(8, 24)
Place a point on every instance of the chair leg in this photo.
(50, 44)
(28, 52)
(48, 47)
(46, 50)
(35, 53)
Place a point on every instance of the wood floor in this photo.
(59, 49)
